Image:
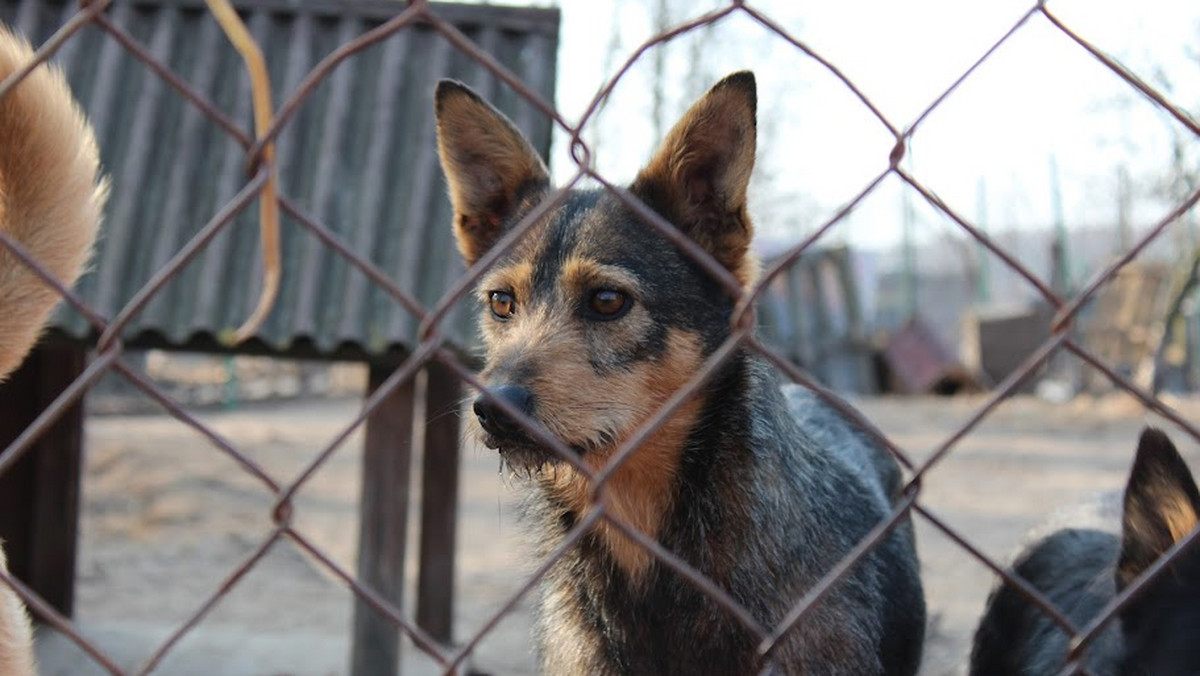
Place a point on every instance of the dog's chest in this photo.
(660, 625)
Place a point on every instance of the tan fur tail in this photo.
(16, 636)
(51, 195)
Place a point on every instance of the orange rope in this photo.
(260, 84)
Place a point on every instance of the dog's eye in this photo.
(503, 304)
(607, 304)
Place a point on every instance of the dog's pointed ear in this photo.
(490, 166)
(699, 176)
(1161, 505)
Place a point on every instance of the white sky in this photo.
(1039, 96)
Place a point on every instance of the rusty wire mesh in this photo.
(432, 345)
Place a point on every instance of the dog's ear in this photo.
(698, 178)
(492, 170)
(1161, 505)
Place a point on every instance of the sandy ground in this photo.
(167, 516)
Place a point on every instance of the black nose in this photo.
(492, 419)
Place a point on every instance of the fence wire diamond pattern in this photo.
(433, 344)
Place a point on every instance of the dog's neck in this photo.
(639, 493)
(642, 493)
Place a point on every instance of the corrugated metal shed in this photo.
(359, 157)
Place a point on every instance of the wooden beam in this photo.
(39, 495)
(439, 503)
(383, 515)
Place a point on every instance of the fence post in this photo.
(383, 515)
(439, 503)
(39, 495)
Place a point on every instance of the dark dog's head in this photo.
(594, 319)
(1162, 507)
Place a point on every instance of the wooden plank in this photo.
(19, 408)
(439, 503)
(39, 495)
(844, 267)
(819, 310)
(800, 351)
(383, 512)
(1006, 340)
(57, 483)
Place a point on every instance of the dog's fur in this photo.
(51, 199)
(1081, 570)
(591, 322)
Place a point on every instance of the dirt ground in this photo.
(167, 516)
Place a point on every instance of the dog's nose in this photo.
(492, 419)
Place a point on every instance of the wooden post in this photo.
(820, 337)
(39, 495)
(797, 304)
(383, 513)
(439, 503)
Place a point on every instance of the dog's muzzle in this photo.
(494, 421)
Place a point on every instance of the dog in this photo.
(51, 200)
(590, 323)
(1081, 570)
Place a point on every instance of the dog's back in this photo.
(838, 464)
(830, 429)
(1081, 570)
(1073, 569)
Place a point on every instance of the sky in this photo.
(1038, 102)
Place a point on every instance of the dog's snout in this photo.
(493, 420)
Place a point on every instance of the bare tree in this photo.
(1180, 182)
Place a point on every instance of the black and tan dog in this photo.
(1081, 570)
(51, 198)
(595, 319)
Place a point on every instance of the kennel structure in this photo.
(358, 177)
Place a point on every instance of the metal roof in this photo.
(359, 156)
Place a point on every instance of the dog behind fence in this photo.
(34, 264)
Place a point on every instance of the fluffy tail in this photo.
(16, 636)
(51, 195)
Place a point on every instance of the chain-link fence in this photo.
(432, 344)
